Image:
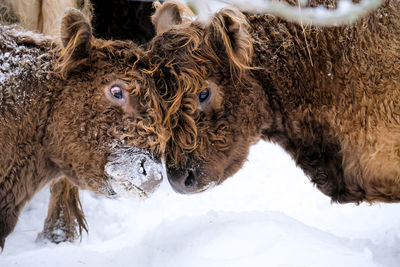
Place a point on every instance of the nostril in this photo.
(142, 169)
(190, 179)
(183, 181)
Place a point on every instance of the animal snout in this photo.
(134, 171)
(183, 181)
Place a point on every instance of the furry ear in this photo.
(169, 14)
(76, 36)
(228, 34)
(76, 33)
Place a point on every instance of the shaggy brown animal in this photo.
(122, 20)
(65, 220)
(117, 20)
(77, 110)
(328, 95)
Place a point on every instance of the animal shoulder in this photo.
(25, 59)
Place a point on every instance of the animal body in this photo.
(65, 220)
(328, 95)
(122, 20)
(74, 108)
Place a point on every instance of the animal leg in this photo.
(65, 219)
(7, 224)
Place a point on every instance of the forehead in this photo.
(176, 58)
(178, 40)
(123, 54)
(107, 60)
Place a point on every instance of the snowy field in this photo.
(267, 215)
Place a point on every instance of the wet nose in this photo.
(183, 181)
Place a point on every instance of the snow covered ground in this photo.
(267, 215)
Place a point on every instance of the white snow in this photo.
(266, 215)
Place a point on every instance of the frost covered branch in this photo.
(347, 12)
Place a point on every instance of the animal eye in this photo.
(203, 96)
(116, 92)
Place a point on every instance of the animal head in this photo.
(214, 108)
(105, 129)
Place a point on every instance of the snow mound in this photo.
(267, 215)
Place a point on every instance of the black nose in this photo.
(183, 181)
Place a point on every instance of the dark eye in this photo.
(116, 91)
(203, 96)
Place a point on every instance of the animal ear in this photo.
(76, 34)
(169, 14)
(228, 34)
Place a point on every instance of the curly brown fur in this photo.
(179, 78)
(129, 20)
(64, 122)
(335, 120)
(45, 17)
(328, 95)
